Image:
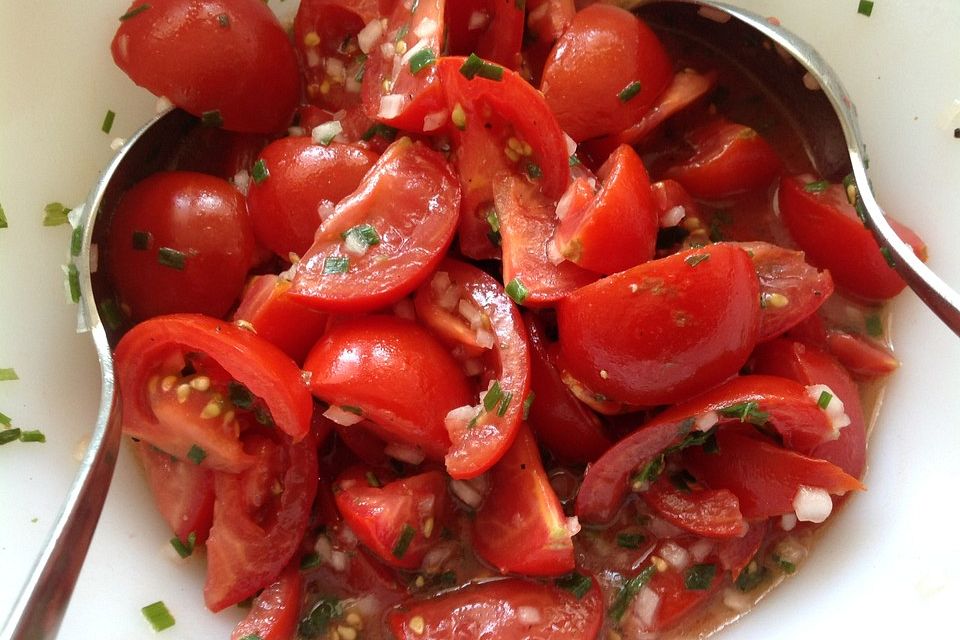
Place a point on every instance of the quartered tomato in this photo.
(862, 357)
(302, 181)
(661, 331)
(605, 72)
(180, 242)
(275, 612)
(259, 517)
(495, 607)
(713, 513)
(382, 241)
(492, 29)
(521, 527)
(825, 225)
(228, 61)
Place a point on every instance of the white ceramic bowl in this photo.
(886, 567)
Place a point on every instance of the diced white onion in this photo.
(163, 103)
(472, 366)
(675, 555)
(353, 85)
(645, 607)
(117, 143)
(123, 46)
(296, 132)
(469, 311)
(336, 69)
(463, 490)
(326, 132)
(313, 58)
(553, 252)
(706, 421)
(529, 615)
(788, 521)
(339, 561)
(571, 144)
(663, 529)
(673, 216)
(538, 13)
(390, 106)
(573, 525)
(711, 13)
(325, 209)
(369, 35)
(812, 504)
(834, 409)
(241, 180)
(341, 417)
(414, 50)
(405, 453)
(436, 557)
(388, 50)
(426, 28)
(354, 245)
(485, 339)
(478, 20)
(435, 120)
(323, 548)
(566, 201)
(790, 550)
(347, 535)
(737, 600)
(700, 549)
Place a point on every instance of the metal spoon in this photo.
(826, 117)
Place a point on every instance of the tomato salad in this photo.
(484, 318)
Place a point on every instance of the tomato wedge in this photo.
(275, 611)
(256, 529)
(682, 323)
(494, 606)
(383, 240)
(713, 513)
(398, 520)
(521, 527)
(149, 361)
(861, 357)
(476, 448)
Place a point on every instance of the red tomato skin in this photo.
(727, 159)
(586, 101)
(561, 423)
(396, 372)
(549, 23)
(527, 224)
(703, 320)
(492, 606)
(278, 318)
(764, 477)
(276, 611)
(246, 70)
(809, 365)
(412, 200)
(284, 208)
(618, 230)
(203, 217)
(736, 553)
(712, 513)
(255, 532)
(826, 227)
(860, 356)
(319, 31)
(520, 527)
(378, 515)
(267, 372)
(476, 450)
(182, 491)
(498, 40)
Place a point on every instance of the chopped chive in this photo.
(3, 218)
(33, 435)
(697, 258)
(55, 214)
(251, 636)
(9, 435)
(157, 613)
(172, 258)
(239, 395)
(628, 592)
(516, 290)
(108, 121)
(73, 282)
(492, 397)
(491, 72)
(422, 59)
(699, 576)
(362, 68)
(5, 419)
(401, 33)
(309, 561)
(362, 235)
(196, 454)
(576, 583)
(629, 92)
(504, 404)
(223, 20)
(76, 241)
(260, 172)
(316, 622)
(574, 161)
(211, 118)
(184, 549)
(133, 13)
(527, 403)
(746, 412)
(403, 542)
(373, 480)
(888, 256)
(816, 187)
(493, 221)
(471, 66)
(785, 565)
(874, 325)
(824, 400)
(751, 576)
(630, 540)
(141, 240)
(111, 314)
(534, 172)
(865, 8)
(335, 264)
(649, 472)
(8, 374)
(263, 416)
(379, 129)
(357, 411)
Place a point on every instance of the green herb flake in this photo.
(239, 395)
(76, 241)
(874, 325)
(349, 408)
(746, 412)
(362, 235)
(3, 218)
(699, 577)
(517, 292)
(491, 72)
(492, 397)
(196, 454)
(157, 613)
(697, 258)
(403, 542)
(32, 436)
(133, 13)
(527, 403)
(824, 400)
(534, 172)
(309, 561)
(576, 583)
(630, 540)
(751, 576)
(55, 214)
(629, 591)
(421, 60)
(211, 118)
(816, 187)
(142, 240)
(108, 121)
(379, 129)
(335, 264)
(5, 420)
(9, 435)
(471, 66)
(321, 615)
(172, 258)
(401, 33)
(260, 172)
(263, 416)
(649, 472)
(361, 68)
(629, 92)
(888, 256)
(184, 549)
(111, 314)
(574, 161)
(865, 8)
(373, 480)
(786, 566)
(223, 20)
(251, 636)
(8, 374)
(73, 282)
(505, 404)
